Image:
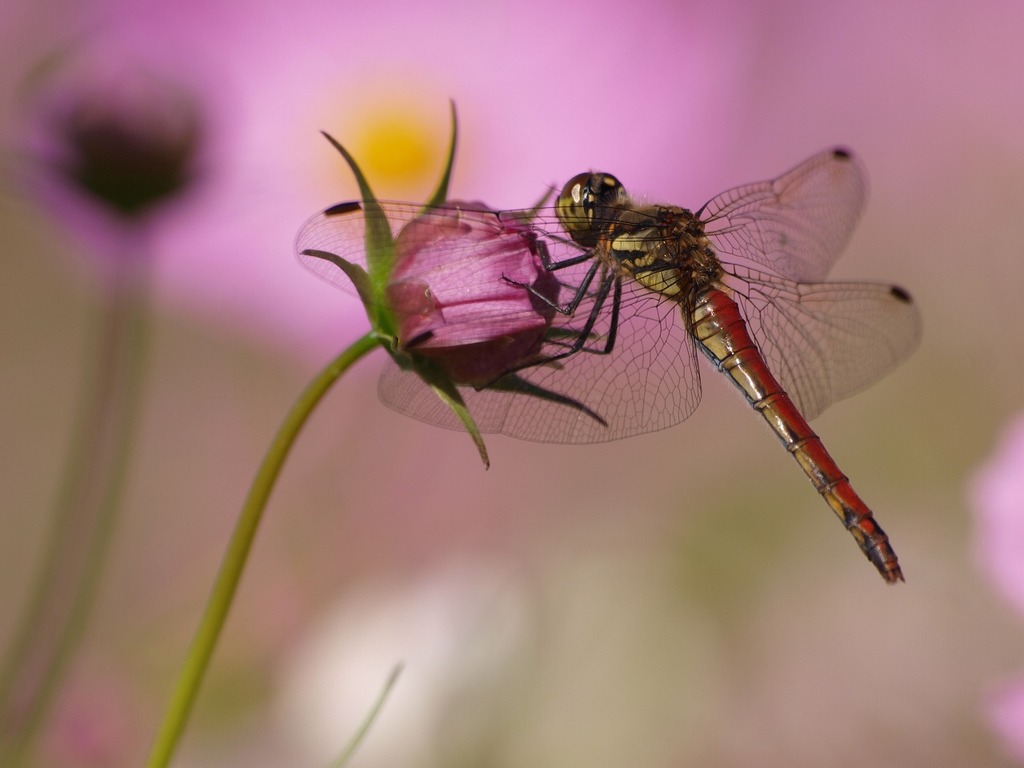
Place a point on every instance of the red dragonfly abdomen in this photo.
(722, 334)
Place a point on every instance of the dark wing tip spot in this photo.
(343, 208)
(841, 153)
(901, 294)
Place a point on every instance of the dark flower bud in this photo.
(123, 137)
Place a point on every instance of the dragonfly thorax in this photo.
(664, 248)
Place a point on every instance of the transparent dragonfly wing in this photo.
(648, 381)
(794, 226)
(340, 230)
(777, 240)
(827, 341)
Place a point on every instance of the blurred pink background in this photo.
(641, 602)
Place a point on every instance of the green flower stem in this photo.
(360, 735)
(226, 583)
(85, 513)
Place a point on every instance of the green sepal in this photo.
(360, 279)
(525, 217)
(513, 383)
(380, 247)
(447, 392)
(441, 192)
(532, 213)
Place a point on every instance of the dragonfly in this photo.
(647, 289)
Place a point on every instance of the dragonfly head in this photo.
(580, 204)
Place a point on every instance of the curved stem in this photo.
(85, 513)
(364, 728)
(212, 622)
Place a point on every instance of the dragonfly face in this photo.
(581, 207)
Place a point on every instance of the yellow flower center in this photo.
(396, 147)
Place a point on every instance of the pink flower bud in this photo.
(457, 291)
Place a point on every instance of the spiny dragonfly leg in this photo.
(580, 337)
(554, 266)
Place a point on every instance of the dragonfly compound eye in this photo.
(581, 197)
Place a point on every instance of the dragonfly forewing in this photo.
(795, 226)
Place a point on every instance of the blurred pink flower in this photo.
(997, 496)
(457, 293)
(1005, 709)
(539, 103)
(129, 146)
(95, 723)
(109, 144)
(106, 146)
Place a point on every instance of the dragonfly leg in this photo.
(584, 334)
(552, 266)
(579, 338)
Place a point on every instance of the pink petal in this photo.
(1005, 710)
(997, 495)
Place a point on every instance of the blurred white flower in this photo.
(454, 630)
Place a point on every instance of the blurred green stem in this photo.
(85, 513)
(226, 584)
(360, 735)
